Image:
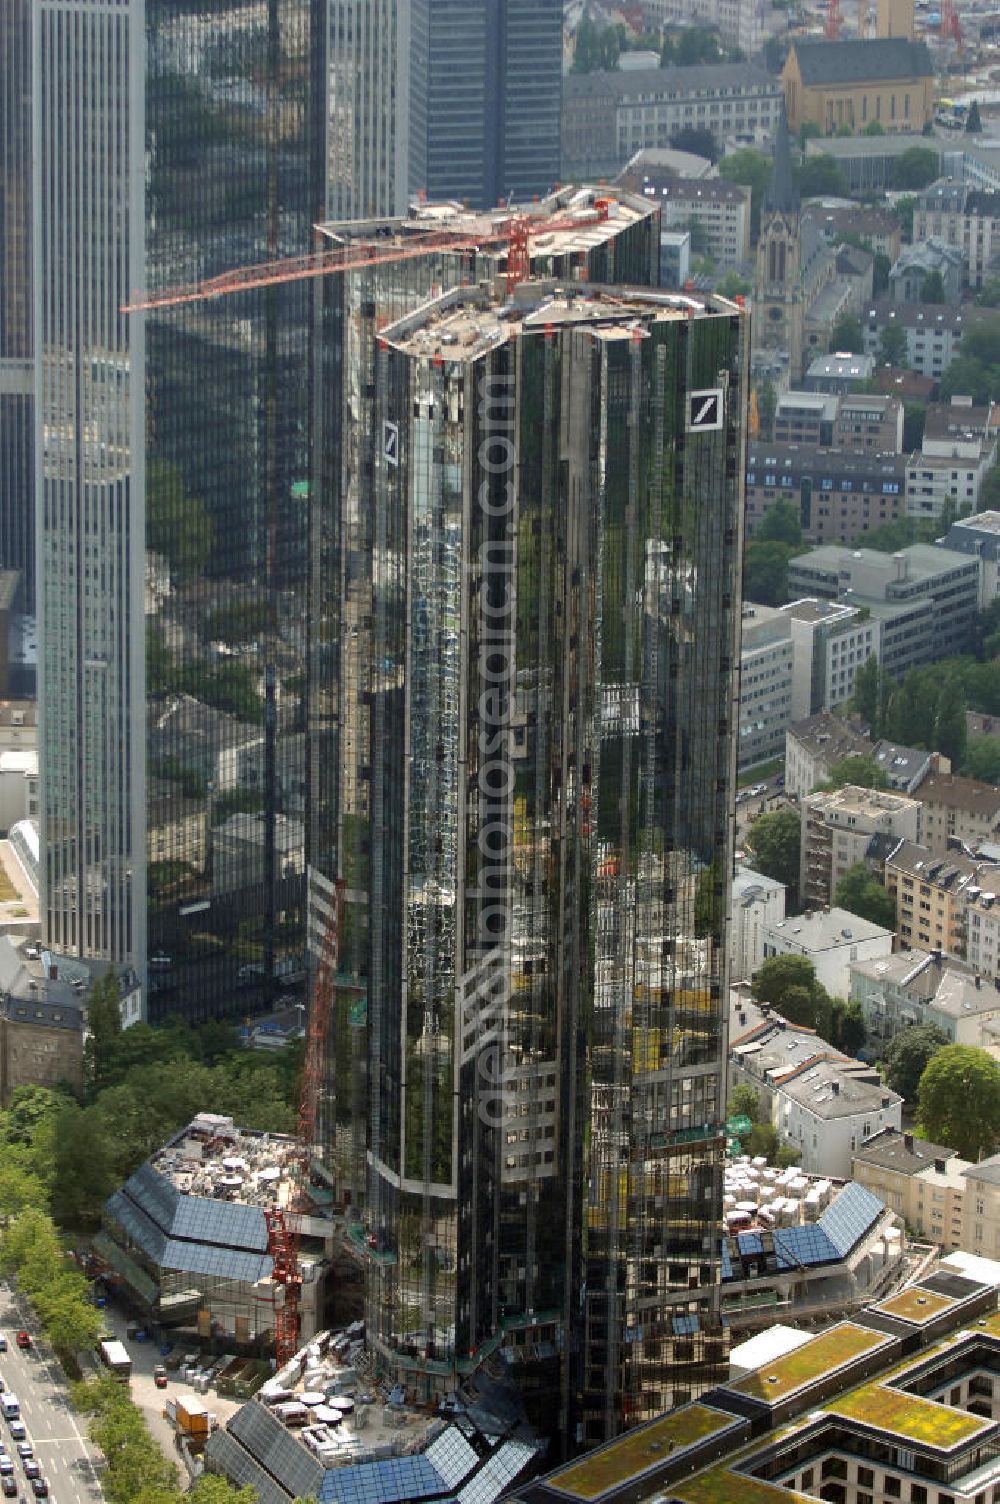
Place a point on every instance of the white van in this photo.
(11, 1409)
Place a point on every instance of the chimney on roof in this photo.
(940, 1165)
(908, 1142)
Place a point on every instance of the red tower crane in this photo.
(951, 27)
(832, 29)
(283, 1226)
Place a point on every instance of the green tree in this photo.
(907, 1056)
(959, 1100)
(782, 979)
(914, 418)
(881, 267)
(84, 1176)
(982, 759)
(177, 525)
(774, 840)
(860, 894)
(767, 406)
(903, 210)
(104, 1027)
(744, 1103)
(949, 722)
(733, 285)
(973, 124)
(847, 334)
(808, 131)
(697, 139)
(71, 1322)
(932, 288)
(907, 717)
(781, 523)
(820, 176)
(915, 169)
(989, 295)
(874, 128)
(765, 572)
(753, 169)
(848, 1032)
(872, 692)
(859, 769)
(892, 346)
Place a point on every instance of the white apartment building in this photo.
(766, 675)
(824, 1103)
(838, 828)
(757, 903)
(980, 535)
(832, 939)
(959, 447)
(831, 641)
(816, 744)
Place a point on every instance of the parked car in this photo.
(25, 1449)
(17, 1429)
(9, 1486)
(23, 1340)
(6, 1466)
(39, 1488)
(31, 1468)
(3, 1343)
(160, 1376)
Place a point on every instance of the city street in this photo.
(56, 1432)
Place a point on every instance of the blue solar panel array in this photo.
(851, 1217)
(383, 1482)
(840, 1229)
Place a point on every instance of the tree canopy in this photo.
(822, 175)
(932, 288)
(774, 840)
(959, 1100)
(907, 1056)
(916, 168)
(892, 346)
(847, 334)
(789, 984)
(860, 893)
(859, 769)
(753, 169)
(781, 523)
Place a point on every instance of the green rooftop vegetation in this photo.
(908, 1415)
(990, 1324)
(813, 1360)
(722, 1485)
(916, 1305)
(638, 1450)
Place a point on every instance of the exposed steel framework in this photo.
(283, 1227)
(514, 232)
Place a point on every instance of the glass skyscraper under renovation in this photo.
(556, 547)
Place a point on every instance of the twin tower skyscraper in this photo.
(422, 577)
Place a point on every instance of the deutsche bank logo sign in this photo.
(390, 443)
(705, 410)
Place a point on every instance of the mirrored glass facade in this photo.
(17, 540)
(234, 130)
(569, 236)
(556, 547)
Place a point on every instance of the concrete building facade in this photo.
(832, 939)
(757, 903)
(837, 830)
(853, 83)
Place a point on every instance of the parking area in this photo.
(152, 1401)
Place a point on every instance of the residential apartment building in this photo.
(958, 448)
(822, 1103)
(979, 535)
(831, 641)
(757, 902)
(981, 1208)
(922, 1182)
(850, 84)
(841, 373)
(931, 894)
(920, 260)
(982, 927)
(766, 656)
(839, 827)
(485, 1209)
(720, 209)
(965, 217)
(957, 811)
(814, 745)
(832, 939)
(878, 229)
(915, 987)
(607, 117)
(933, 583)
(933, 332)
(839, 494)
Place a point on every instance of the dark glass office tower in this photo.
(172, 140)
(578, 234)
(557, 504)
(234, 123)
(17, 540)
(485, 83)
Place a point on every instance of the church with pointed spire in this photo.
(802, 283)
(777, 304)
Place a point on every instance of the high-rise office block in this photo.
(555, 619)
(161, 461)
(578, 234)
(86, 237)
(456, 99)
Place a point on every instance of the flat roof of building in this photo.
(828, 929)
